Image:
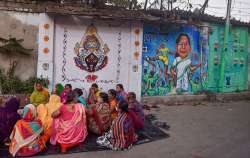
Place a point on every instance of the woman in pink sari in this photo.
(69, 126)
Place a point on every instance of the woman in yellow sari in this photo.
(45, 111)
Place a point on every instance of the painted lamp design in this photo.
(91, 52)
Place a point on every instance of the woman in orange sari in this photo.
(113, 103)
(26, 137)
(69, 126)
(99, 115)
(45, 111)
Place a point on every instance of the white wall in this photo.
(66, 31)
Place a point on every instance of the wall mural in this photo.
(91, 53)
(174, 60)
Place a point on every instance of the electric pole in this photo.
(225, 49)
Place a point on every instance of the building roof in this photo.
(152, 16)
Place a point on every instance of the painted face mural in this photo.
(174, 60)
(91, 51)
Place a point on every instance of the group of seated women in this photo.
(66, 117)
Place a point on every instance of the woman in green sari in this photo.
(40, 95)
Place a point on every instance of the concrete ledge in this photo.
(183, 99)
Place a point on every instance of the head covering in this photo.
(29, 112)
(8, 117)
(59, 89)
(39, 97)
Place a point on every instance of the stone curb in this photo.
(182, 99)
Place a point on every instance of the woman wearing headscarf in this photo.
(40, 95)
(58, 89)
(26, 137)
(45, 111)
(8, 118)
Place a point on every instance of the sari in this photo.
(121, 96)
(82, 101)
(92, 98)
(137, 114)
(25, 137)
(63, 96)
(113, 105)
(8, 118)
(121, 135)
(182, 69)
(45, 111)
(71, 130)
(39, 97)
(100, 119)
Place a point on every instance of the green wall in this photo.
(236, 59)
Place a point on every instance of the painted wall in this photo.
(186, 59)
(174, 61)
(236, 59)
(20, 26)
(248, 62)
(82, 52)
(152, 60)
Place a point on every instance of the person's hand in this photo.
(55, 114)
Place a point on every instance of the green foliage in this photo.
(11, 84)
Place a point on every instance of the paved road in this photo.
(210, 130)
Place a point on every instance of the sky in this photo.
(240, 8)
